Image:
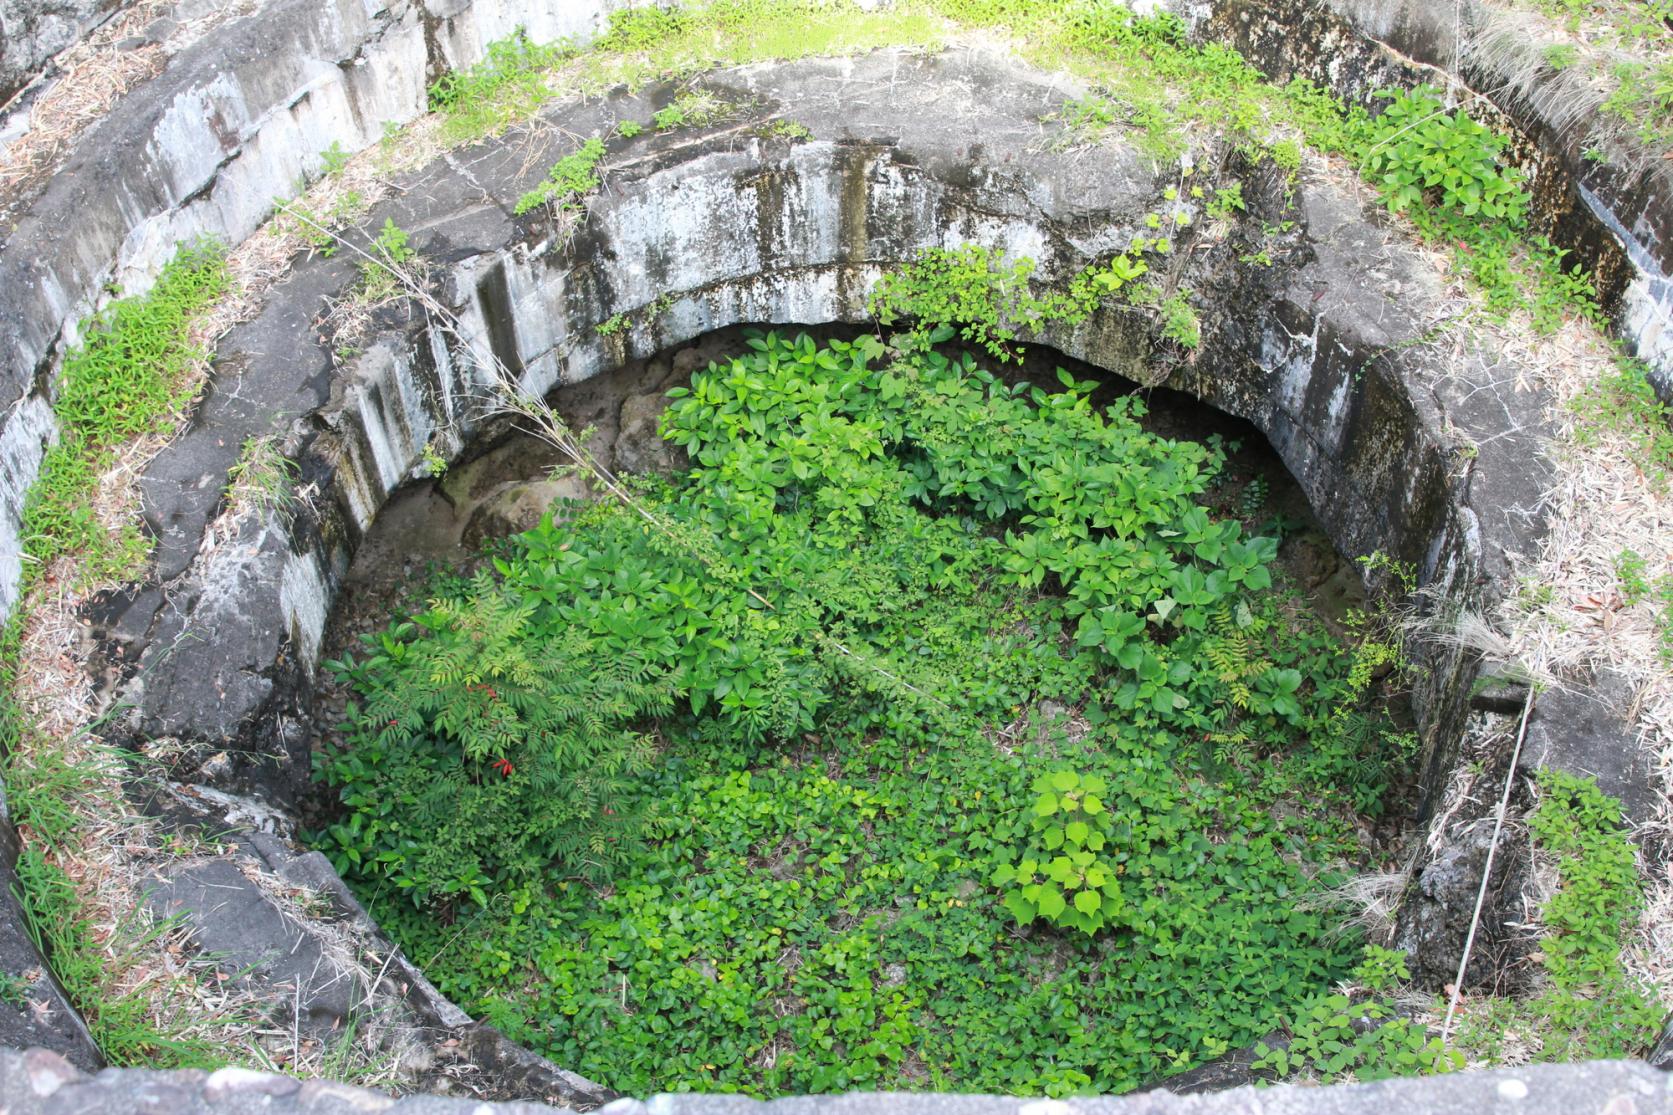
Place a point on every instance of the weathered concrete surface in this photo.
(32, 31)
(1616, 217)
(283, 929)
(1590, 731)
(202, 150)
(40, 1083)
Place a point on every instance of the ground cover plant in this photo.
(933, 732)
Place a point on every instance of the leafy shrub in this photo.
(1419, 150)
(972, 292)
(1069, 884)
(875, 559)
(488, 751)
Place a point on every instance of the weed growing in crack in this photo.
(569, 181)
(262, 479)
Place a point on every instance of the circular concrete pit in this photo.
(1433, 455)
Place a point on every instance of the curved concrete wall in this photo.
(44, 1085)
(202, 150)
(1617, 221)
(697, 231)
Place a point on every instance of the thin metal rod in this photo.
(1487, 871)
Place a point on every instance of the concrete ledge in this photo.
(41, 1083)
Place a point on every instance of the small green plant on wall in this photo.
(1422, 150)
(569, 181)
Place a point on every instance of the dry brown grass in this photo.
(1572, 622)
(93, 75)
(1518, 42)
(1569, 621)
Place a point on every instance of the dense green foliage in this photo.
(1423, 149)
(891, 593)
(881, 569)
(488, 749)
(127, 379)
(1591, 1009)
(1332, 1037)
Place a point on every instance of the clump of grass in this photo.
(695, 108)
(1627, 402)
(643, 44)
(129, 379)
(508, 85)
(261, 479)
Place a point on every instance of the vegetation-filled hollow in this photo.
(929, 730)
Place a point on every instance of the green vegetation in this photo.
(333, 159)
(262, 478)
(1424, 151)
(1587, 1006)
(508, 85)
(1638, 586)
(46, 796)
(1332, 1037)
(1630, 53)
(487, 750)
(1065, 878)
(14, 990)
(1442, 170)
(319, 229)
(894, 607)
(389, 252)
(695, 108)
(570, 180)
(129, 378)
(1627, 402)
(974, 293)
(1590, 1009)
